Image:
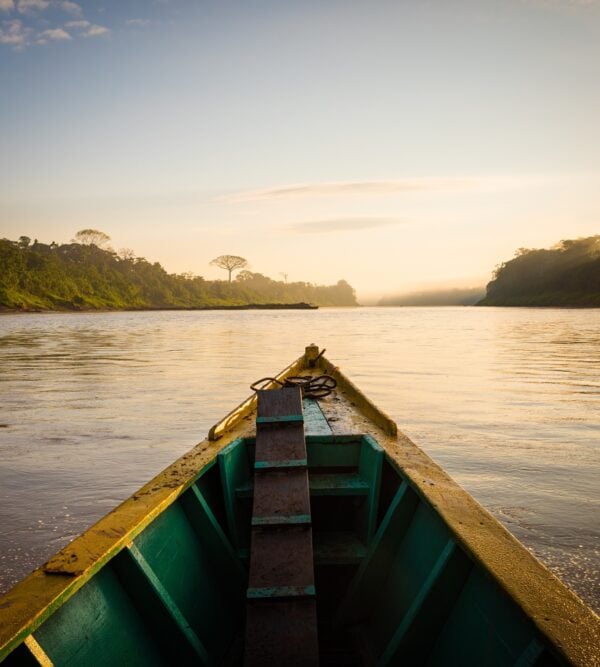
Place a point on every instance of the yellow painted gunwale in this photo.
(26, 606)
(571, 627)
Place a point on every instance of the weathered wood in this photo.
(370, 464)
(292, 623)
(279, 444)
(315, 422)
(338, 548)
(568, 630)
(281, 495)
(236, 417)
(234, 470)
(143, 584)
(281, 621)
(430, 609)
(372, 573)
(215, 541)
(321, 484)
(38, 652)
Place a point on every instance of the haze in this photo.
(394, 144)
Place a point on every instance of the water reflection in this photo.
(507, 400)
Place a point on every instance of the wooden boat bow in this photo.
(565, 630)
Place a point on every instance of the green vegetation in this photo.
(84, 276)
(566, 275)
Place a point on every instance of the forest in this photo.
(83, 275)
(567, 275)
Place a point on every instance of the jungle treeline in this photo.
(567, 275)
(76, 276)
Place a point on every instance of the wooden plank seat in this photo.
(281, 615)
(321, 484)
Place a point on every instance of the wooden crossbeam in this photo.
(170, 626)
(370, 577)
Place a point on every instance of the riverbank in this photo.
(75, 277)
(247, 306)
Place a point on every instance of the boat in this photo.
(305, 529)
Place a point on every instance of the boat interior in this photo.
(392, 586)
(360, 551)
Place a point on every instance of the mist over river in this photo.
(506, 400)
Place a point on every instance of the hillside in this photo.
(567, 275)
(76, 276)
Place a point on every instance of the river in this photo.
(506, 400)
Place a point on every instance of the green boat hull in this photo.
(396, 584)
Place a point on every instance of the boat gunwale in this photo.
(248, 406)
(33, 599)
(570, 627)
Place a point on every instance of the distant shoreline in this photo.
(493, 305)
(250, 306)
(274, 306)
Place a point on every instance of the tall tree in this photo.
(230, 263)
(126, 254)
(91, 237)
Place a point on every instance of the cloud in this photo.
(87, 29)
(14, 33)
(32, 6)
(351, 188)
(71, 7)
(137, 22)
(95, 30)
(78, 25)
(340, 225)
(33, 28)
(53, 34)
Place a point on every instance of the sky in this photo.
(398, 145)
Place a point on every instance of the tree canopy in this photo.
(91, 237)
(230, 263)
(568, 274)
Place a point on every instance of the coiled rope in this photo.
(312, 387)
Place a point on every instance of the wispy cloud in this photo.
(389, 187)
(339, 225)
(14, 33)
(71, 8)
(87, 29)
(32, 6)
(95, 30)
(52, 35)
(6, 5)
(78, 25)
(137, 23)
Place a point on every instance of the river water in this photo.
(506, 400)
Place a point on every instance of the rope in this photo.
(312, 387)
